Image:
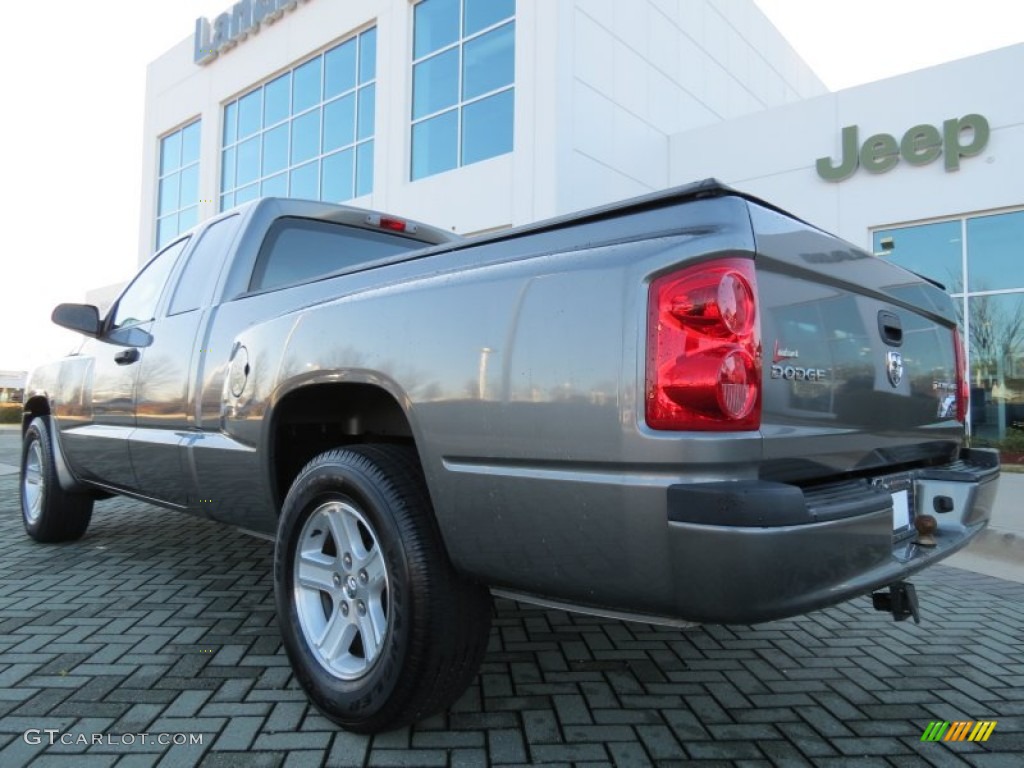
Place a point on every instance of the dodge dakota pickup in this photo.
(685, 407)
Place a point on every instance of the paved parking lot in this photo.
(156, 623)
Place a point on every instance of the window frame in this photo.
(461, 103)
(227, 196)
(158, 307)
(196, 121)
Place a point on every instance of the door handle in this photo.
(127, 357)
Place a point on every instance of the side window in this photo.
(299, 250)
(197, 279)
(138, 303)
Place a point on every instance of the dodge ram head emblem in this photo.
(894, 367)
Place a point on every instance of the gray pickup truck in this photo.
(687, 407)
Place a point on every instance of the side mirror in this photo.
(129, 336)
(83, 318)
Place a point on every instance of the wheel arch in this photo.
(319, 415)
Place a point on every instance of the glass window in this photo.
(305, 181)
(337, 176)
(277, 138)
(275, 149)
(368, 61)
(340, 69)
(480, 14)
(435, 84)
(178, 183)
(138, 303)
(997, 363)
(300, 250)
(307, 85)
(277, 100)
(464, 69)
(989, 303)
(488, 62)
(435, 145)
(340, 122)
(932, 250)
(195, 284)
(995, 252)
(437, 25)
(364, 165)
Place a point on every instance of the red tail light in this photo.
(704, 348)
(963, 392)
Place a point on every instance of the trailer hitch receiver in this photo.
(900, 601)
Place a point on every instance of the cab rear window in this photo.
(300, 250)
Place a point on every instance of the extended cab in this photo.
(684, 407)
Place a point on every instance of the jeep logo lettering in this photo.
(795, 373)
(922, 144)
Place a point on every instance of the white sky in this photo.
(71, 138)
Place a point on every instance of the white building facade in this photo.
(477, 115)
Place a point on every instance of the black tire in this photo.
(437, 622)
(50, 513)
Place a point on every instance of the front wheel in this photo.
(50, 513)
(380, 629)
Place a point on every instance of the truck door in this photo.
(165, 414)
(96, 441)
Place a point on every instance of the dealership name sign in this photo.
(242, 19)
(959, 138)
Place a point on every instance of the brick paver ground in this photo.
(158, 623)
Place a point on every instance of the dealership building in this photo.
(478, 115)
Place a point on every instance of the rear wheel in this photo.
(380, 629)
(49, 512)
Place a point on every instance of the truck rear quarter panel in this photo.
(520, 363)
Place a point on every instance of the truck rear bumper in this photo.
(755, 551)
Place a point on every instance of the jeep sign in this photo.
(922, 144)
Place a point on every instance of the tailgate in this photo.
(859, 358)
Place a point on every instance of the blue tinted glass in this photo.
(227, 201)
(340, 74)
(169, 194)
(230, 123)
(276, 100)
(488, 62)
(339, 122)
(481, 14)
(337, 177)
(435, 145)
(170, 153)
(364, 169)
(997, 360)
(995, 252)
(189, 194)
(248, 161)
(487, 127)
(245, 194)
(227, 170)
(932, 250)
(188, 218)
(166, 230)
(306, 92)
(275, 186)
(368, 55)
(306, 182)
(275, 149)
(436, 24)
(435, 83)
(367, 108)
(190, 144)
(250, 113)
(306, 136)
